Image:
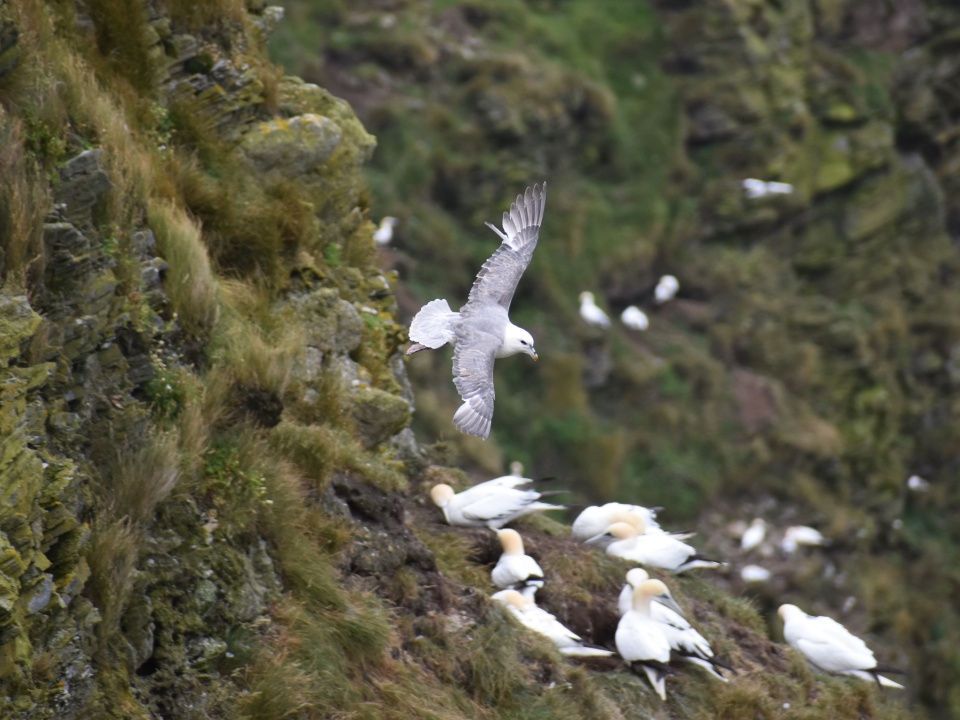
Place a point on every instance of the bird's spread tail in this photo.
(434, 326)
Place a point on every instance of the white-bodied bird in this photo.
(755, 574)
(640, 639)
(830, 647)
(663, 551)
(540, 621)
(515, 570)
(491, 504)
(482, 332)
(685, 641)
(591, 312)
(594, 520)
(918, 484)
(754, 535)
(384, 234)
(666, 289)
(797, 535)
(635, 318)
(756, 189)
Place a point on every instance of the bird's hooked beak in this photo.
(533, 354)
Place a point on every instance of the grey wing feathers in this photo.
(498, 278)
(473, 361)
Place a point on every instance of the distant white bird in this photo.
(516, 570)
(594, 520)
(830, 647)
(540, 621)
(759, 188)
(516, 469)
(754, 535)
(918, 484)
(797, 535)
(481, 331)
(685, 641)
(384, 233)
(491, 504)
(635, 318)
(640, 639)
(755, 574)
(666, 289)
(591, 312)
(663, 551)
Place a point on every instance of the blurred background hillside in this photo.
(809, 364)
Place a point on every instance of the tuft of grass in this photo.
(191, 284)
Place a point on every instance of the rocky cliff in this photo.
(212, 498)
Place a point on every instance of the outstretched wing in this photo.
(498, 278)
(473, 359)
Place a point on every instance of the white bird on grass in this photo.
(663, 551)
(754, 535)
(684, 639)
(594, 520)
(591, 312)
(384, 234)
(482, 332)
(755, 574)
(918, 484)
(640, 639)
(515, 570)
(635, 318)
(666, 289)
(830, 647)
(797, 535)
(540, 621)
(756, 189)
(491, 504)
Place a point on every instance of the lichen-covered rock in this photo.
(379, 415)
(295, 146)
(9, 47)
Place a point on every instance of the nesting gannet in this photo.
(663, 550)
(753, 535)
(830, 647)
(515, 570)
(685, 641)
(797, 535)
(384, 233)
(640, 640)
(755, 574)
(755, 188)
(918, 484)
(635, 318)
(482, 332)
(491, 504)
(591, 312)
(666, 289)
(540, 621)
(594, 520)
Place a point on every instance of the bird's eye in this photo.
(523, 342)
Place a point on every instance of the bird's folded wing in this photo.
(499, 506)
(498, 278)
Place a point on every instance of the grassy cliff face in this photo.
(213, 504)
(806, 369)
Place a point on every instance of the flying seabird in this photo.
(685, 642)
(666, 289)
(635, 318)
(830, 647)
(663, 551)
(591, 312)
(540, 621)
(482, 332)
(516, 570)
(491, 504)
(384, 234)
(640, 641)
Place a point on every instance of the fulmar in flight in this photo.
(482, 332)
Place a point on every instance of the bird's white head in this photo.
(441, 494)
(586, 297)
(510, 541)
(517, 340)
(388, 222)
(788, 611)
(637, 576)
(516, 468)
